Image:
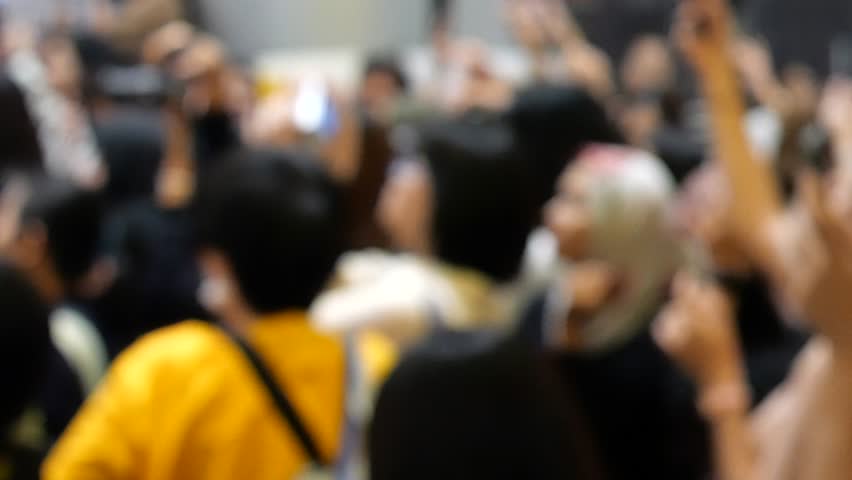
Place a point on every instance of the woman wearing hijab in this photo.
(610, 217)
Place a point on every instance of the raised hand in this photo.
(702, 31)
(523, 22)
(16, 37)
(558, 23)
(816, 255)
(835, 114)
(166, 41)
(697, 330)
(212, 84)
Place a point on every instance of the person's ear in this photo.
(30, 247)
(220, 293)
(218, 290)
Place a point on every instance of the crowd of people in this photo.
(600, 272)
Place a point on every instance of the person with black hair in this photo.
(48, 73)
(52, 233)
(382, 84)
(60, 228)
(258, 395)
(461, 215)
(553, 123)
(157, 157)
(133, 142)
(24, 353)
(467, 405)
(148, 229)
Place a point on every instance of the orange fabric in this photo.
(183, 403)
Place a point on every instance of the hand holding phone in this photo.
(314, 112)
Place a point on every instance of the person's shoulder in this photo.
(180, 346)
(189, 335)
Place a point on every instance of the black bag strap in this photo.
(279, 396)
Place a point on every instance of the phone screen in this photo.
(314, 112)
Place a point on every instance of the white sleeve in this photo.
(395, 302)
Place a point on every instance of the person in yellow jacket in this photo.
(185, 402)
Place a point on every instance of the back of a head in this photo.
(466, 405)
(24, 343)
(680, 151)
(19, 145)
(72, 218)
(387, 64)
(483, 194)
(553, 123)
(276, 217)
(132, 142)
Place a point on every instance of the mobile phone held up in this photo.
(314, 112)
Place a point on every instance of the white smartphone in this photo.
(314, 112)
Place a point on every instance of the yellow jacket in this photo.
(183, 403)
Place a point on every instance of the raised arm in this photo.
(755, 66)
(697, 330)
(703, 32)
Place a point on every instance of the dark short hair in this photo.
(484, 209)
(132, 142)
(387, 64)
(24, 344)
(463, 405)
(553, 123)
(276, 217)
(72, 217)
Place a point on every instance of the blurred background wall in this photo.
(257, 25)
(798, 29)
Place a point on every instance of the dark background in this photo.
(798, 30)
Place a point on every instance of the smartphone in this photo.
(314, 112)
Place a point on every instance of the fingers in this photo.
(683, 31)
(702, 28)
(670, 331)
(167, 40)
(697, 324)
(204, 56)
(673, 328)
(699, 300)
(827, 208)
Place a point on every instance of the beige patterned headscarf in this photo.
(629, 197)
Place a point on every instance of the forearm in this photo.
(342, 151)
(572, 35)
(733, 447)
(725, 403)
(752, 184)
